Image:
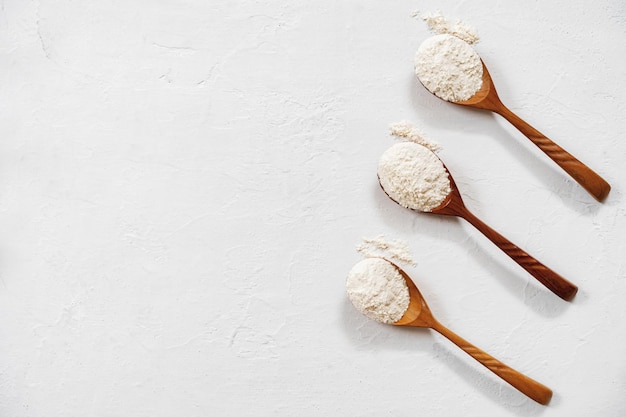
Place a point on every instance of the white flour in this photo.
(407, 131)
(437, 23)
(413, 176)
(449, 67)
(381, 247)
(378, 290)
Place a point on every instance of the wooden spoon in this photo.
(453, 206)
(487, 99)
(419, 315)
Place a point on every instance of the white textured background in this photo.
(183, 183)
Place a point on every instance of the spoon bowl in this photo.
(453, 206)
(419, 315)
(486, 98)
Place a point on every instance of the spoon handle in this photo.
(585, 176)
(553, 281)
(526, 385)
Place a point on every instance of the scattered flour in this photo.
(449, 67)
(377, 289)
(409, 132)
(413, 176)
(437, 23)
(380, 247)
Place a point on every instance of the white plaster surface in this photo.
(183, 183)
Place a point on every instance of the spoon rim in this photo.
(487, 89)
(418, 313)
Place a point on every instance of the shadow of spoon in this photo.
(486, 98)
(453, 206)
(419, 315)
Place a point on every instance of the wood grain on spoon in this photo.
(487, 98)
(419, 315)
(453, 206)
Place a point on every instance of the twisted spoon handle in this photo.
(553, 281)
(585, 176)
(524, 384)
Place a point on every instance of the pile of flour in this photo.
(380, 247)
(413, 176)
(449, 67)
(447, 64)
(407, 131)
(377, 289)
(438, 24)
